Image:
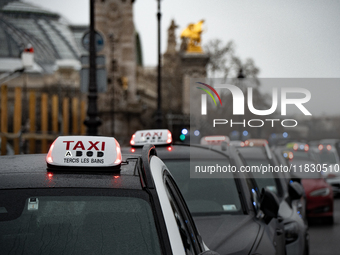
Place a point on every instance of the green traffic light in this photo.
(182, 137)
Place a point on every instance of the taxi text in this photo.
(83, 160)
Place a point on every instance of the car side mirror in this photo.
(224, 146)
(209, 253)
(295, 190)
(269, 204)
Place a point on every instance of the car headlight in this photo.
(320, 192)
(291, 232)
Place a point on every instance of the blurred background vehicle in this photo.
(233, 210)
(257, 153)
(282, 161)
(237, 143)
(319, 194)
(328, 156)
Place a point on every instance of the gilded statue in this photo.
(192, 37)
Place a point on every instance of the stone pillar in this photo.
(171, 75)
(114, 20)
(193, 66)
(128, 43)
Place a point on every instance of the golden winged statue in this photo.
(191, 36)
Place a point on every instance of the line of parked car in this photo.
(250, 212)
(245, 212)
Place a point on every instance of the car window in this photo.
(254, 192)
(327, 157)
(60, 223)
(206, 196)
(305, 175)
(301, 154)
(266, 180)
(186, 230)
(299, 167)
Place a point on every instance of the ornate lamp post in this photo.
(159, 73)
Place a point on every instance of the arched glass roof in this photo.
(53, 41)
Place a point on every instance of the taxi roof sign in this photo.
(214, 140)
(84, 152)
(151, 136)
(298, 146)
(256, 142)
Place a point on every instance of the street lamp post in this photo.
(111, 36)
(240, 78)
(159, 73)
(92, 120)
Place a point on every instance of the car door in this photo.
(191, 240)
(273, 232)
(274, 229)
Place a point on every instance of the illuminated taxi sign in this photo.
(237, 143)
(298, 146)
(151, 136)
(84, 151)
(256, 142)
(214, 140)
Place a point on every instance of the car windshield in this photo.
(206, 196)
(266, 180)
(92, 222)
(327, 157)
(300, 169)
(301, 154)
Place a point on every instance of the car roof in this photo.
(329, 141)
(30, 171)
(182, 152)
(253, 152)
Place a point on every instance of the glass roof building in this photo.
(54, 42)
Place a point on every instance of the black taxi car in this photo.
(231, 215)
(289, 194)
(91, 199)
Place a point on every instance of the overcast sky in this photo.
(285, 38)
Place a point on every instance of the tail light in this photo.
(169, 140)
(290, 155)
(119, 154)
(132, 141)
(295, 147)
